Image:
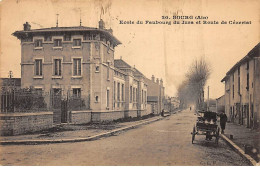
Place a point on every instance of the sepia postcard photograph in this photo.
(129, 83)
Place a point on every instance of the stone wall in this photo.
(20, 123)
(132, 113)
(80, 117)
(109, 116)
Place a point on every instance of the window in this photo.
(38, 43)
(118, 91)
(131, 94)
(76, 42)
(38, 91)
(107, 98)
(136, 94)
(76, 67)
(145, 96)
(76, 92)
(134, 99)
(142, 96)
(108, 72)
(67, 37)
(38, 67)
(97, 68)
(247, 81)
(238, 72)
(114, 98)
(57, 67)
(123, 86)
(57, 43)
(96, 98)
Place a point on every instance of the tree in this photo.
(191, 90)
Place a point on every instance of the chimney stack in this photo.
(26, 26)
(157, 80)
(153, 78)
(101, 24)
(161, 82)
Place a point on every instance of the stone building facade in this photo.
(79, 62)
(242, 90)
(156, 94)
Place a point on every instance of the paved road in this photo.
(166, 142)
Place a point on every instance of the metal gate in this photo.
(60, 106)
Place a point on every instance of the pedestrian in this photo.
(223, 120)
(162, 113)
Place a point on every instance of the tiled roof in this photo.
(119, 63)
(137, 72)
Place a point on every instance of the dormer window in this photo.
(76, 42)
(38, 43)
(57, 43)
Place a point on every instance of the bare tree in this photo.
(191, 91)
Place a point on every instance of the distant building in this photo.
(156, 94)
(171, 104)
(242, 90)
(220, 104)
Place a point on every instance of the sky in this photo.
(165, 51)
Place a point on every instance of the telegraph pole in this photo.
(208, 100)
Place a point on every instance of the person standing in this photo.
(223, 120)
(162, 113)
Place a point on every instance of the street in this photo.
(165, 142)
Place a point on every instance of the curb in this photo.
(91, 138)
(239, 150)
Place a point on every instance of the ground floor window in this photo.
(76, 92)
(107, 98)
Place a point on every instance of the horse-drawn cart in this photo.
(206, 125)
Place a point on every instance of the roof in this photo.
(119, 63)
(255, 52)
(152, 98)
(137, 72)
(220, 97)
(19, 34)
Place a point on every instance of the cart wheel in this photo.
(217, 136)
(193, 135)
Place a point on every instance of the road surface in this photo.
(165, 142)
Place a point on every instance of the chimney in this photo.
(161, 82)
(26, 26)
(101, 24)
(157, 80)
(153, 78)
(110, 31)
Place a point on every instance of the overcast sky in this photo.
(165, 51)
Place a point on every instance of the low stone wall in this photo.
(80, 117)
(20, 123)
(145, 112)
(132, 113)
(109, 116)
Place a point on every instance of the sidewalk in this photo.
(75, 132)
(244, 137)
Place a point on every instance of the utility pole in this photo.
(208, 100)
